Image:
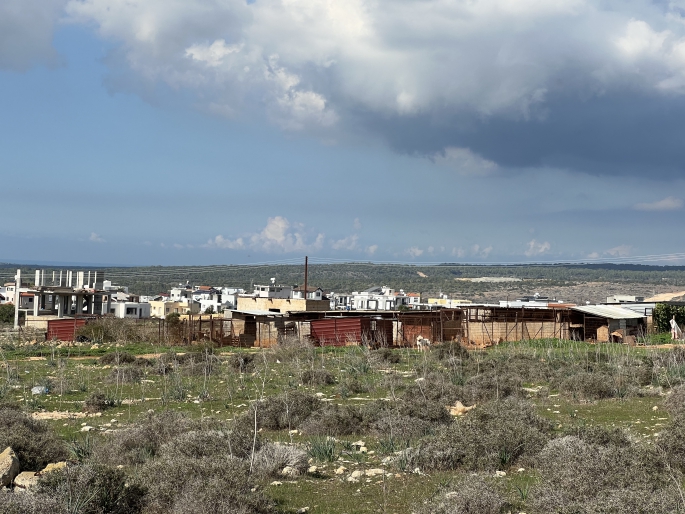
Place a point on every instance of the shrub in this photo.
(34, 442)
(474, 495)
(401, 429)
(580, 477)
(317, 377)
(272, 458)
(117, 358)
(491, 385)
(671, 442)
(675, 401)
(92, 489)
(335, 420)
(125, 375)
(142, 441)
(597, 435)
(387, 355)
(352, 385)
(242, 362)
(492, 436)
(588, 386)
(285, 411)
(98, 402)
(449, 351)
(433, 411)
(218, 484)
(20, 503)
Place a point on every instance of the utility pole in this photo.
(306, 264)
(17, 285)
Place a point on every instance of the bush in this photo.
(142, 441)
(117, 358)
(675, 401)
(401, 429)
(580, 477)
(588, 386)
(474, 495)
(242, 362)
(317, 377)
(491, 385)
(218, 484)
(34, 442)
(125, 375)
(335, 420)
(671, 442)
(600, 436)
(92, 489)
(98, 402)
(492, 436)
(285, 411)
(21, 503)
(272, 458)
(450, 351)
(387, 355)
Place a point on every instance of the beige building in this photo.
(160, 309)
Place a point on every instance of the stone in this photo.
(356, 474)
(293, 432)
(276, 483)
(500, 473)
(352, 479)
(655, 408)
(358, 444)
(340, 470)
(302, 510)
(39, 390)
(53, 466)
(373, 472)
(363, 449)
(289, 471)
(312, 469)
(386, 460)
(87, 428)
(26, 480)
(9, 467)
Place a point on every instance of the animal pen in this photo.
(488, 325)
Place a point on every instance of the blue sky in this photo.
(198, 132)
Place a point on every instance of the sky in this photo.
(194, 132)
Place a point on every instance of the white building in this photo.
(375, 299)
(130, 310)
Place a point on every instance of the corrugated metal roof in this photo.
(608, 311)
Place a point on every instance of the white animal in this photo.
(422, 343)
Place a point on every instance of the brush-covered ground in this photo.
(558, 426)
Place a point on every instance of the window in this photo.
(131, 311)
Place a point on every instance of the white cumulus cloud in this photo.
(96, 238)
(278, 236)
(537, 248)
(669, 203)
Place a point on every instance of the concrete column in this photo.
(36, 304)
(17, 285)
(59, 299)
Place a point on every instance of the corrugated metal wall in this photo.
(336, 331)
(63, 329)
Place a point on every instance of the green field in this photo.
(321, 400)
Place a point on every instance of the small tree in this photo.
(7, 313)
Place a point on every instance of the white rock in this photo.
(87, 428)
(9, 466)
(340, 470)
(352, 479)
(500, 473)
(302, 510)
(289, 471)
(357, 473)
(276, 482)
(373, 472)
(363, 449)
(312, 469)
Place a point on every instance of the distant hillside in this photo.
(445, 278)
